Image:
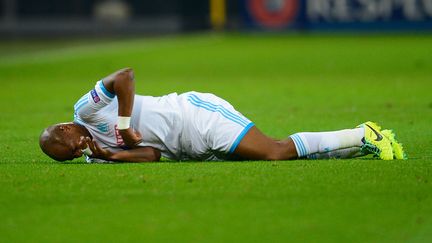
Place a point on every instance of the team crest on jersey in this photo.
(95, 96)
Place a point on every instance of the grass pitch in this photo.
(285, 84)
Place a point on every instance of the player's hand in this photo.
(97, 151)
(131, 137)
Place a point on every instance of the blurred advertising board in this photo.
(338, 14)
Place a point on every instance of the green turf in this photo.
(285, 84)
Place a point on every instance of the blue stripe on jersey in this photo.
(225, 110)
(80, 101)
(240, 137)
(193, 99)
(105, 91)
(296, 143)
(78, 121)
(83, 99)
(81, 105)
(213, 109)
(299, 144)
(217, 109)
(306, 152)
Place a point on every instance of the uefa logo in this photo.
(273, 13)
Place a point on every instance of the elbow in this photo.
(156, 155)
(124, 81)
(151, 154)
(123, 76)
(126, 74)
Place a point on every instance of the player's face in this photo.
(67, 151)
(71, 145)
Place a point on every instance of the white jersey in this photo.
(182, 127)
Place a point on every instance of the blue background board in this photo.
(338, 14)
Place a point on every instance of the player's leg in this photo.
(367, 137)
(256, 145)
(227, 131)
(308, 143)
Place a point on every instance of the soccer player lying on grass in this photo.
(111, 123)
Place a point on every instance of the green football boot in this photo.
(398, 151)
(375, 142)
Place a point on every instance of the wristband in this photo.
(123, 122)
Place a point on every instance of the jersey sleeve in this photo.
(92, 102)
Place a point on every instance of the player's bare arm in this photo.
(141, 154)
(122, 83)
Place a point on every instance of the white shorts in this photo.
(212, 128)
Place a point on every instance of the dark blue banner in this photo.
(338, 14)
